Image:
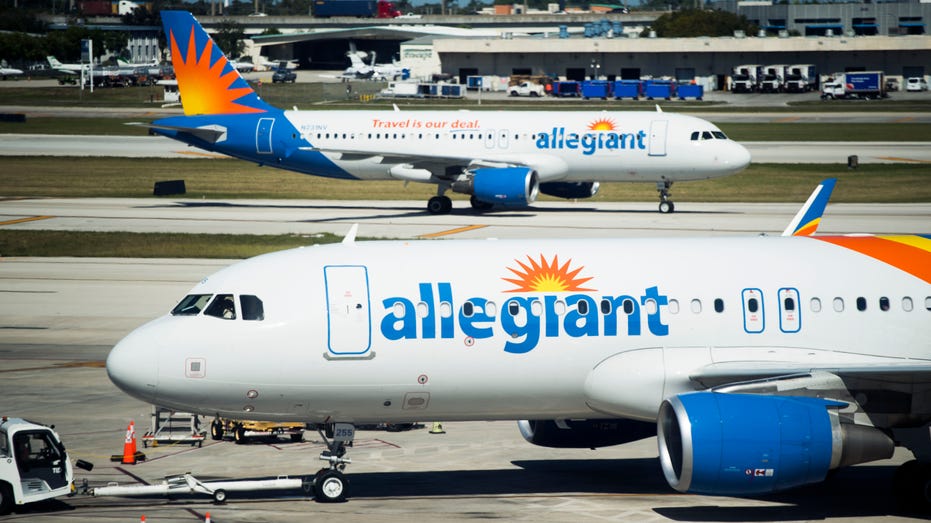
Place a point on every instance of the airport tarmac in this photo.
(60, 316)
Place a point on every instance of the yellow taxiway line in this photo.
(452, 231)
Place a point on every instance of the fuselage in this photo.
(478, 330)
(559, 146)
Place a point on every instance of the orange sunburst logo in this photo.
(206, 88)
(546, 276)
(602, 124)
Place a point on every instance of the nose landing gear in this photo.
(330, 483)
(666, 205)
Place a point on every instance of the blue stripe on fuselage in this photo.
(243, 139)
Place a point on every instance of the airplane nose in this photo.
(133, 366)
(741, 157)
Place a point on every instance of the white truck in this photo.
(743, 78)
(772, 79)
(801, 78)
(526, 89)
(855, 85)
(33, 464)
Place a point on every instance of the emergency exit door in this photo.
(349, 322)
(263, 135)
(658, 137)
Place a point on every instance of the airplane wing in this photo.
(731, 374)
(548, 168)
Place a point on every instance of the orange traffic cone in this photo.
(129, 446)
(207, 519)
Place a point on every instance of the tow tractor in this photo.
(33, 464)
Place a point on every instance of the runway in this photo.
(161, 147)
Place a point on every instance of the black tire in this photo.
(239, 435)
(6, 498)
(297, 438)
(912, 487)
(439, 205)
(330, 486)
(219, 496)
(216, 430)
(666, 207)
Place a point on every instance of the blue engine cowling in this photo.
(570, 190)
(505, 185)
(741, 444)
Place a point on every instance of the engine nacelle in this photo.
(570, 190)
(584, 434)
(501, 185)
(740, 444)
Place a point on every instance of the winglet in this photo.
(350, 238)
(808, 218)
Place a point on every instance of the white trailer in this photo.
(772, 79)
(744, 77)
(188, 484)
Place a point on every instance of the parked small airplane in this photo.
(374, 71)
(9, 71)
(65, 68)
(498, 157)
(761, 363)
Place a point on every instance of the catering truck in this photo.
(863, 84)
(33, 464)
(744, 77)
(801, 78)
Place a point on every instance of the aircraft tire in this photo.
(216, 430)
(666, 207)
(439, 205)
(219, 496)
(239, 435)
(330, 486)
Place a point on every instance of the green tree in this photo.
(229, 37)
(697, 22)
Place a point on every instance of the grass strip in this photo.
(149, 245)
(37, 177)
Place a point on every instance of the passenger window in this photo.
(695, 136)
(696, 306)
(861, 304)
(907, 304)
(606, 306)
(628, 307)
(191, 305)
(252, 308)
(788, 304)
(928, 303)
(753, 305)
(673, 306)
(719, 305)
(582, 307)
(839, 304)
(468, 309)
(815, 305)
(883, 303)
(222, 306)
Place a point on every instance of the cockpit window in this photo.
(719, 135)
(222, 306)
(695, 136)
(252, 308)
(191, 305)
(706, 135)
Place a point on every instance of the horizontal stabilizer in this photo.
(212, 134)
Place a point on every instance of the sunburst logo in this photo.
(602, 124)
(208, 88)
(544, 276)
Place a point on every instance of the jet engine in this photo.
(501, 185)
(584, 434)
(570, 190)
(742, 444)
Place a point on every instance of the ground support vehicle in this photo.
(862, 85)
(169, 426)
(659, 89)
(526, 89)
(243, 430)
(695, 91)
(33, 464)
(283, 75)
(632, 89)
(567, 89)
(597, 89)
(744, 77)
(801, 78)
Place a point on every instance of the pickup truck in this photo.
(526, 89)
(284, 75)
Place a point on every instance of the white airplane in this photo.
(65, 68)
(373, 70)
(9, 71)
(761, 363)
(500, 157)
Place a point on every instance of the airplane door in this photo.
(489, 135)
(790, 319)
(263, 135)
(754, 322)
(349, 331)
(658, 137)
(503, 139)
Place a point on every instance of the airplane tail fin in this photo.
(52, 61)
(808, 218)
(207, 82)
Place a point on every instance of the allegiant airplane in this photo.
(761, 363)
(500, 158)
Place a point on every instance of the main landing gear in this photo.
(330, 483)
(666, 205)
(912, 487)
